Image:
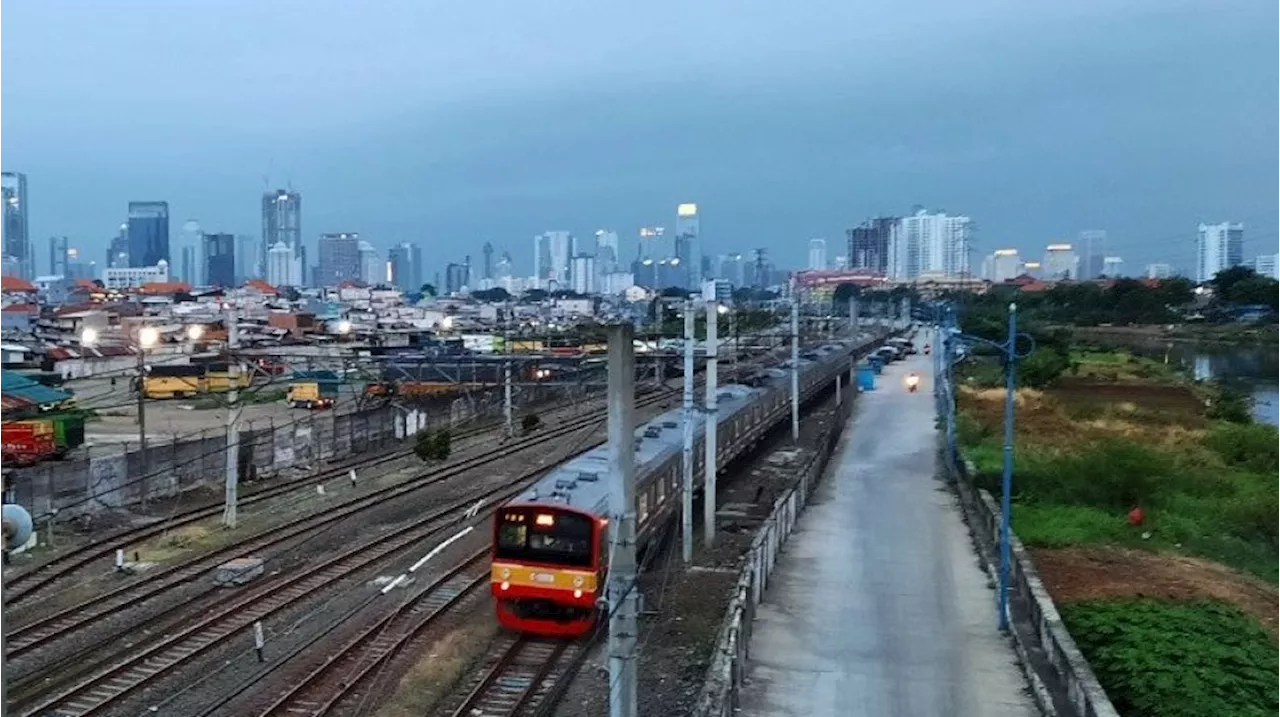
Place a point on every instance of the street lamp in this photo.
(195, 331)
(89, 337)
(148, 337)
(953, 343)
(344, 327)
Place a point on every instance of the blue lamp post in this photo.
(1010, 349)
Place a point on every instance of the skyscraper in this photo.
(58, 256)
(405, 265)
(552, 252)
(370, 268)
(1002, 265)
(282, 222)
(688, 250)
(1093, 251)
(818, 254)
(607, 256)
(1060, 262)
(247, 259)
(505, 266)
(1218, 247)
(118, 249)
(927, 244)
(283, 268)
(339, 259)
(869, 245)
(148, 233)
(486, 267)
(191, 249)
(456, 277)
(16, 243)
(219, 260)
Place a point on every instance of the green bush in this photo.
(1177, 659)
(432, 445)
(1251, 446)
(530, 423)
(1229, 404)
(1042, 368)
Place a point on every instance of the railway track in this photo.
(19, 586)
(524, 673)
(93, 690)
(358, 661)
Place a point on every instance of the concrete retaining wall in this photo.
(719, 697)
(1062, 666)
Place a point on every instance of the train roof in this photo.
(583, 482)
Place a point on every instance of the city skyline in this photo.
(763, 138)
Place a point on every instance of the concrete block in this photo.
(238, 571)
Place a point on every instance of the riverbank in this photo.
(1153, 523)
(1207, 334)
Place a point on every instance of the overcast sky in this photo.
(450, 124)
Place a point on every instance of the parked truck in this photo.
(313, 389)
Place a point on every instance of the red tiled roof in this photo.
(261, 286)
(9, 402)
(57, 353)
(157, 288)
(349, 284)
(17, 284)
(21, 309)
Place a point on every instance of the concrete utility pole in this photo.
(686, 512)
(853, 317)
(795, 369)
(712, 417)
(233, 419)
(622, 534)
(144, 487)
(506, 399)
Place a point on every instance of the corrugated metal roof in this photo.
(16, 385)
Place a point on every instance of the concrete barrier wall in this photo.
(1029, 601)
(728, 669)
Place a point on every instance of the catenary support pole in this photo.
(144, 484)
(686, 505)
(1007, 479)
(795, 368)
(622, 534)
(231, 488)
(506, 399)
(711, 418)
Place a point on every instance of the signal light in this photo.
(545, 519)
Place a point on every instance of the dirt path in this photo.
(1073, 574)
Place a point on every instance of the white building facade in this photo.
(818, 254)
(283, 266)
(1267, 265)
(1060, 262)
(1002, 265)
(125, 277)
(1218, 247)
(929, 245)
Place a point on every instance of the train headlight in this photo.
(577, 593)
(506, 585)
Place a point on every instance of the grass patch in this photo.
(1177, 659)
(438, 671)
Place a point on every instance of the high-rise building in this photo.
(583, 274)
(486, 261)
(1267, 265)
(16, 243)
(190, 250)
(57, 256)
(148, 233)
(219, 260)
(283, 268)
(1111, 266)
(339, 259)
(1159, 271)
(187, 265)
(404, 263)
(869, 245)
(371, 269)
(505, 266)
(552, 252)
(1093, 252)
(732, 268)
(1002, 265)
(456, 277)
(929, 245)
(248, 259)
(650, 244)
(1060, 262)
(1218, 247)
(688, 249)
(281, 222)
(818, 254)
(78, 268)
(118, 249)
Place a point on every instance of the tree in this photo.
(494, 295)
(534, 296)
(530, 423)
(292, 294)
(428, 290)
(675, 292)
(845, 293)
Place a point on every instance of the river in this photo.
(1250, 368)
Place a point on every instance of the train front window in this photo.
(544, 537)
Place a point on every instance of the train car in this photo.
(174, 381)
(25, 443)
(550, 543)
(219, 377)
(313, 389)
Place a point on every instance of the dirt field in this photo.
(1089, 573)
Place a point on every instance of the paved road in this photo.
(878, 606)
